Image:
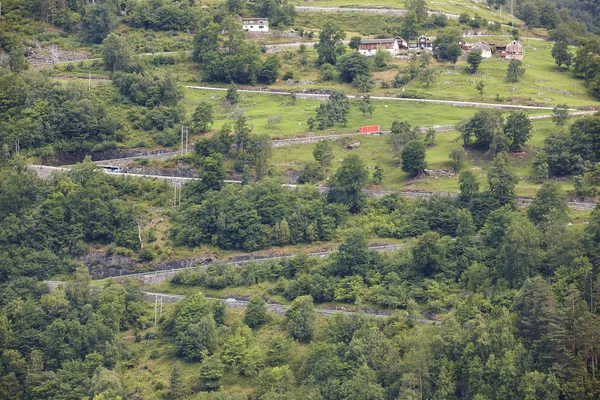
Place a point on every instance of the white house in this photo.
(486, 50)
(256, 24)
(368, 47)
(425, 42)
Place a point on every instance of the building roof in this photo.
(514, 47)
(481, 46)
(377, 41)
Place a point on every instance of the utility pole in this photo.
(155, 307)
(512, 10)
(176, 194)
(187, 134)
(184, 139)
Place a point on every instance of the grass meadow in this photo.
(375, 149)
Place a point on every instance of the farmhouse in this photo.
(425, 42)
(368, 47)
(514, 51)
(255, 24)
(486, 50)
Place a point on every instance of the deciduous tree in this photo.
(116, 53)
(256, 313)
(413, 158)
(561, 54)
(203, 117)
(301, 319)
(474, 60)
(517, 129)
(355, 42)
(347, 182)
(330, 45)
(515, 71)
(353, 64)
(323, 153)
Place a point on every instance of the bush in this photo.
(458, 157)
(364, 83)
(147, 254)
(327, 72)
(400, 80)
(288, 75)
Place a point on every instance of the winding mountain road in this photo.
(395, 12)
(45, 171)
(274, 308)
(318, 96)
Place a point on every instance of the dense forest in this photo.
(518, 290)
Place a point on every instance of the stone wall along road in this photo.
(380, 11)
(230, 302)
(161, 274)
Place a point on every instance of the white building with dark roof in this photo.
(255, 24)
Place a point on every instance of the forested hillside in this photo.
(190, 208)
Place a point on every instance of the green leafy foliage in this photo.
(301, 319)
(330, 45)
(249, 216)
(413, 157)
(515, 71)
(256, 313)
(353, 64)
(346, 185)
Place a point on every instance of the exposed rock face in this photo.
(52, 54)
(353, 145)
(101, 266)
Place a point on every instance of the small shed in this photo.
(514, 50)
(369, 129)
(486, 50)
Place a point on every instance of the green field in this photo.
(446, 6)
(258, 107)
(541, 85)
(374, 149)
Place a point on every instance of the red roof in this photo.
(369, 129)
